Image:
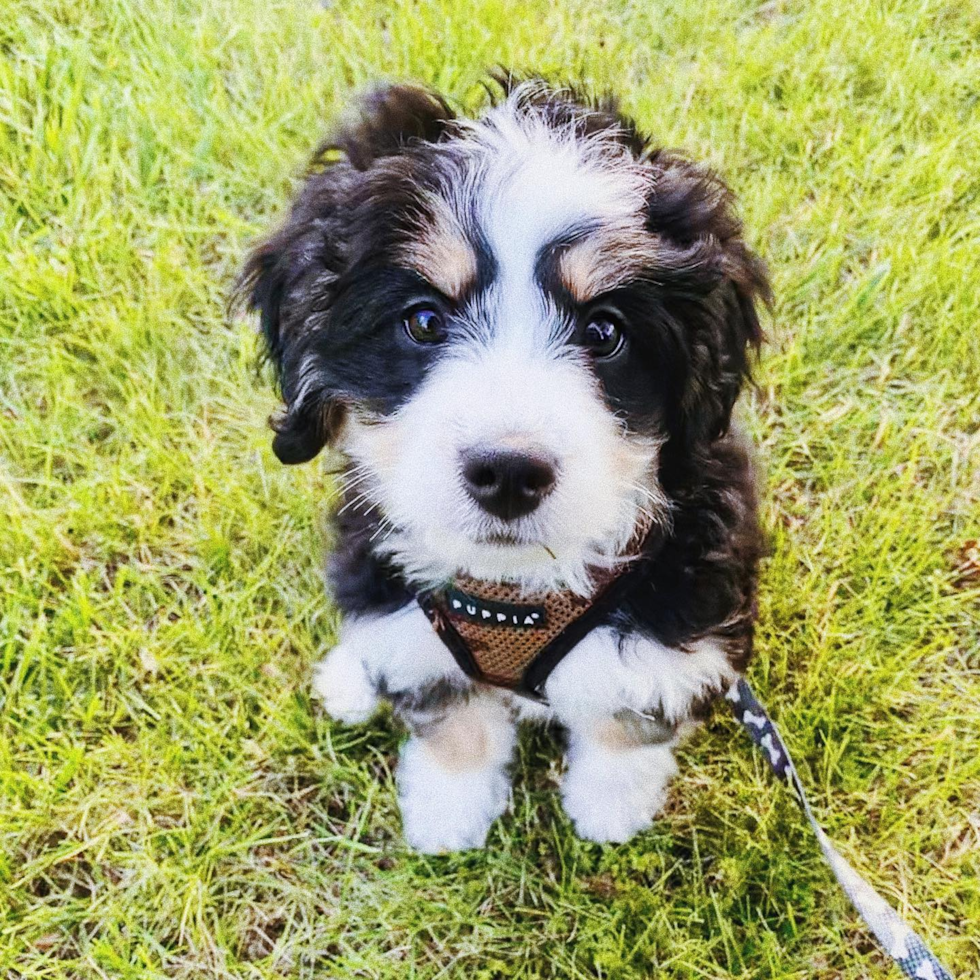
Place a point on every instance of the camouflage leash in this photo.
(895, 935)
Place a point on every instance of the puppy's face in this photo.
(506, 324)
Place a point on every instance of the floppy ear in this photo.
(387, 119)
(289, 277)
(714, 285)
(279, 280)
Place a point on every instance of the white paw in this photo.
(612, 795)
(447, 811)
(342, 684)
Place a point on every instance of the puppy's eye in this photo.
(425, 325)
(603, 335)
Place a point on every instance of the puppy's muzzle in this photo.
(506, 483)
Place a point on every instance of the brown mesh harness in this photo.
(501, 634)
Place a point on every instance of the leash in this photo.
(893, 933)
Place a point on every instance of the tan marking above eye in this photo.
(604, 260)
(441, 254)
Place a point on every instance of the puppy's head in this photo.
(505, 323)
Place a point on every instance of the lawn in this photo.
(172, 804)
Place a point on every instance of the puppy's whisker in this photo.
(348, 487)
(660, 512)
(355, 475)
(356, 502)
(351, 488)
(644, 492)
(384, 525)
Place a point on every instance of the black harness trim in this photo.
(447, 633)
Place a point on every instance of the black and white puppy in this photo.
(542, 291)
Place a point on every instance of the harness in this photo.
(502, 635)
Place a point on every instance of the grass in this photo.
(172, 803)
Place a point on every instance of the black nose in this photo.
(506, 483)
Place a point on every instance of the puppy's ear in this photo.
(278, 283)
(714, 287)
(386, 119)
(290, 277)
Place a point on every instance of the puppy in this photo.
(525, 334)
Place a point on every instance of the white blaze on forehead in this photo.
(535, 184)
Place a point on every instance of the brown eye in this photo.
(603, 335)
(425, 325)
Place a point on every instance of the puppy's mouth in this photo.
(505, 539)
(509, 539)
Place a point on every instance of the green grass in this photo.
(172, 803)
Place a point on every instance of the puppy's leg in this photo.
(615, 785)
(453, 778)
(623, 701)
(397, 653)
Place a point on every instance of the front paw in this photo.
(612, 795)
(447, 811)
(341, 682)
